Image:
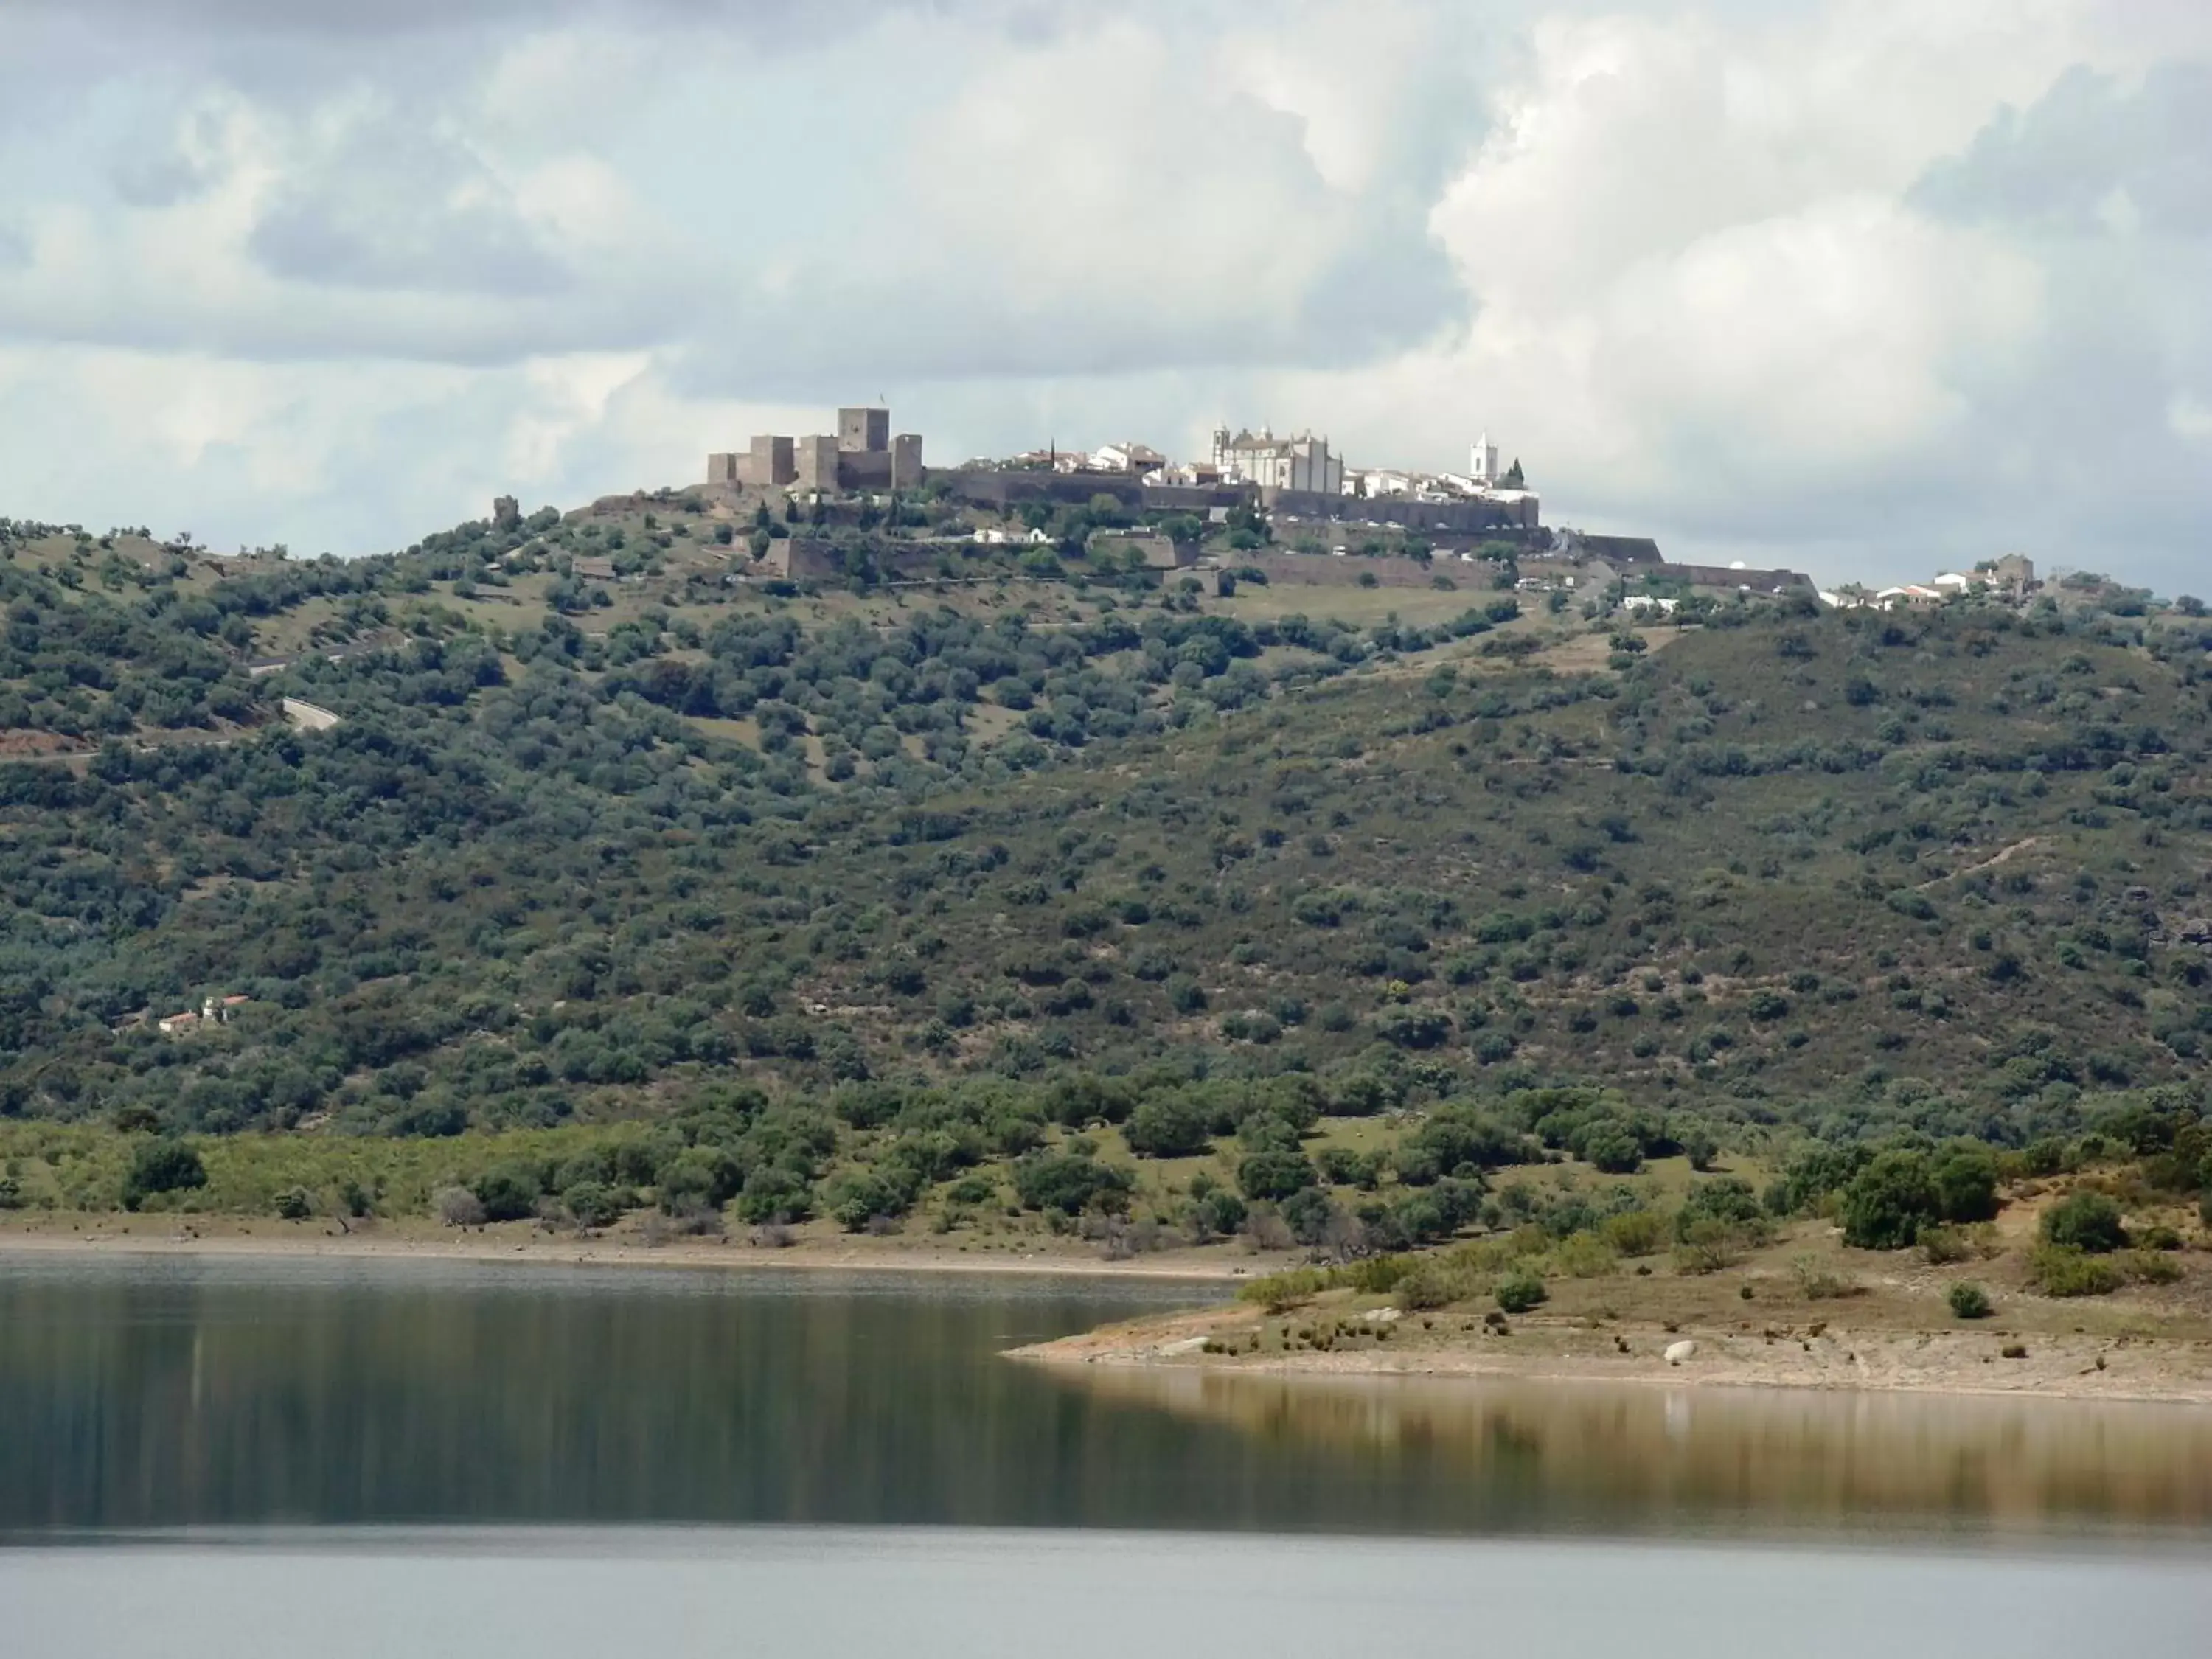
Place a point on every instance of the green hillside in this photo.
(984, 855)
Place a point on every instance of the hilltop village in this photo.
(1259, 506)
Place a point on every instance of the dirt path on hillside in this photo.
(2004, 857)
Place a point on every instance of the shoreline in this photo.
(541, 1251)
(2126, 1362)
(2131, 1368)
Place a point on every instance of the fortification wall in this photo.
(864, 469)
(1619, 549)
(991, 488)
(1192, 498)
(816, 463)
(811, 558)
(1463, 517)
(1325, 570)
(1713, 576)
(770, 463)
(1158, 552)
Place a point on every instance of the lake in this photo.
(420, 1457)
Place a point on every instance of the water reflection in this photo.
(163, 1394)
(1648, 1454)
(138, 1396)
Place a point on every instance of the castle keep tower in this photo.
(864, 431)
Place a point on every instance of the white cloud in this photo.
(1847, 282)
(2191, 418)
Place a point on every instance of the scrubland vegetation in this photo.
(1552, 947)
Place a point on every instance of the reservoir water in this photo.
(424, 1457)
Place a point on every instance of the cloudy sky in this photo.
(1866, 287)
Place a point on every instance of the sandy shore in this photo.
(1962, 1360)
(522, 1243)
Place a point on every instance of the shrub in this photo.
(1309, 1214)
(1613, 1149)
(1167, 1125)
(774, 1194)
(2068, 1270)
(1727, 1201)
(2151, 1268)
(508, 1192)
(1425, 1286)
(1457, 1136)
(972, 1189)
(2087, 1221)
(1709, 1247)
(1965, 1179)
(592, 1204)
(1635, 1232)
(1221, 1211)
(699, 1177)
(2044, 1157)
(161, 1166)
(1069, 1181)
(457, 1206)
(1521, 1291)
(1277, 1292)
(1379, 1275)
(1342, 1167)
(1817, 1282)
(292, 1204)
(1944, 1245)
(1413, 1028)
(1186, 995)
(2158, 1238)
(1584, 1255)
(858, 1197)
(1274, 1175)
(1888, 1202)
(1969, 1301)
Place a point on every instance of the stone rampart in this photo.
(1326, 570)
(1404, 513)
(1713, 576)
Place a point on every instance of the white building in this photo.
(1911, 594)
(1273, 462)
(1376, 483)
(1127, 457)
(1482, 464)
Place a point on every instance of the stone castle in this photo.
(863, 455)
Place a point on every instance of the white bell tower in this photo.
(1483, 466)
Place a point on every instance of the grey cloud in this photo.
(152, 169)
(2056, 166)
(1389, 290)
(439, 248)
(158, 180)
(1386, 293)
(379, 214)
(14, 247)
